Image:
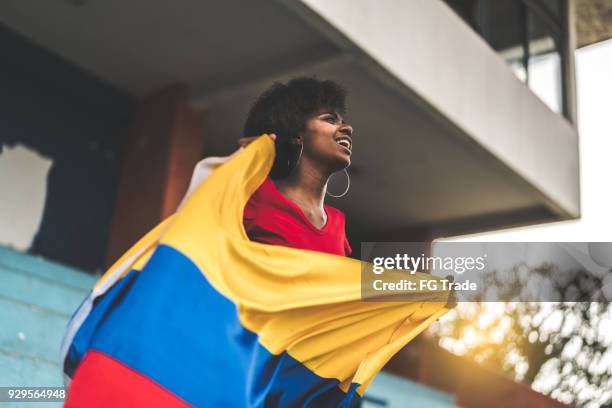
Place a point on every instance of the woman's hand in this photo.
(245, 141)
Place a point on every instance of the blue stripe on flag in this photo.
(170, 324)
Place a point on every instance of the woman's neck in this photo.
(306, 187)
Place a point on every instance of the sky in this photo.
(594, 86)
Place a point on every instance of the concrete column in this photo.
(569, 70)
(164, 144)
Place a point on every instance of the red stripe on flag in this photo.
(102, 381)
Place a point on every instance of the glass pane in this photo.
(527, 35)
(518, 69)
(545, 79)
(544, 68)
(508, 34)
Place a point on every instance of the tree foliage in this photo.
(561, 348)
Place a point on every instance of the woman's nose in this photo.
(346, 129)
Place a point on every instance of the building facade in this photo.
(464, 112)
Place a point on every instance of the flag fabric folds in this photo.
(197, 314)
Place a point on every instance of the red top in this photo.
(272, 218)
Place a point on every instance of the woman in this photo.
(313, 141)
(196, 314)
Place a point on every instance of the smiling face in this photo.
(327, 141)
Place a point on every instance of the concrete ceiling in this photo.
(142, 45)
(412, 171)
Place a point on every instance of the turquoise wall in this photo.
(37, 298)
(391, 391)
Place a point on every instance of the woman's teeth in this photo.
(345, 143)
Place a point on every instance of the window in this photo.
(544, 65)
(529, 35)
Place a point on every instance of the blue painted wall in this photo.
(37, 298)
(390, 391)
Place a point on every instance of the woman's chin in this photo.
(342, 163)
(336, 162)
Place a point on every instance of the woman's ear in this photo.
(287, 154)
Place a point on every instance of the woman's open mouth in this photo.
(345, 142)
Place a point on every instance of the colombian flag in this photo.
(196, 314)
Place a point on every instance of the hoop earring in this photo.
(348, 185)
(297, 161)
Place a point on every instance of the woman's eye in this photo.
(330, 119)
